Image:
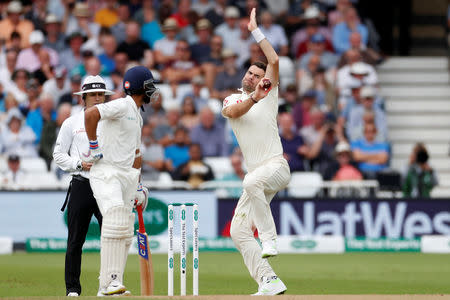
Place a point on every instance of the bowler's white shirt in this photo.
(257, 130)
(72, 141)
(120, 131)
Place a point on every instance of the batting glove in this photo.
(141, 196)
(94, 154)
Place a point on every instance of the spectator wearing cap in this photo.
(371, 156)
(343, 167)
(137, 49)
(202, 48)
(107, 16)
(37, 14)
(302, 110)
(317, 46)
(342, 31)
(79, 21)
(215, 15)
(300, 39)
(14, 176)
(14, 22)
(40, 115)
(210, 134)
(150, 28)
(58, 85)
(296, 14)
(356, 72)
(183, 68)
(294, 148)
(230, 79)
(55, 38)
(198, 92)
(165, 48)
(229, 30)
(274, 33)
(356, 115)
(17, 137)
(72, 56)
(37, 56)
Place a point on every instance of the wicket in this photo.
(184, 248)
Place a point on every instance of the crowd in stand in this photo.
(331, 115)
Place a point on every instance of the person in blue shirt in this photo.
(371, 156)
(178, 152)
(343, 30)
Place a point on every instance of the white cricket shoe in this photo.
(114, 288)
(72, 294)
(269, 248)
(271, 286)
(124, 294)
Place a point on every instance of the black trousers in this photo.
(81, 207)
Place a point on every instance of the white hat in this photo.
(231, 12)
(14, 7)
(14, 113)
(367, 92)
(36, 37)
(312, 12)
(342, 147)
(93, 84)
(359, 68)
(51, 18)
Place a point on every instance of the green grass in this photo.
(25, 274)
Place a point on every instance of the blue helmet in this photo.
(139, 80)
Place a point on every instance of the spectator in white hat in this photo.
(14, 22)
(55, 38)
(343, 168)
(17, 137)
(164, 48)
(355, 71)
(37, 57)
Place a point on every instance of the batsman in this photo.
(253, 118)
(115, 172)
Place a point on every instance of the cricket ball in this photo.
(266, 83)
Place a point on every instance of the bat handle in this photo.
(141, 219)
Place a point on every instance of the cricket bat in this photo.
(145, 259)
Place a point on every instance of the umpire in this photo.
(71, 144)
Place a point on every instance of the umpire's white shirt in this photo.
(120, 132)
(257, 131)
(72, 141)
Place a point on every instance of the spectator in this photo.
(93, 67)
(357, 132)
(37, 14)
(37, 57)
(17, 137)
(420, 178)
(164, 132)
(195, 171)
(147, 18)
(189, 117)
(72, 57)
(137, 49)
(58, 85)
(7, 70)
(355, 120)
(181, 14)
(293, 146)
(317, 47)
(343, 169)
(229, 30)
(244, 42)
(198, 92)
(109, 44)
(14, 176)
(336, 16)
(183, 68)
(210, 135)
(10, 102)
(79, 21)
(311, 132)
(371, 156)
(202, 6)
(305, 77)
(274, 34)
(237, 175)
(155, 114)
(38, 117)
(178, 152)
(153, 161)
(120, 67)
(107, 16)
(216, 14)
(201, 50)
(165, 47)
(14, 23)
(290, 99)
(54, 37)
(256, 55)
(213, 63)
(229, 80)
(368, 55)
(302, 110)
(119, 30)
(342, 31)
(33, 90)
(69, 97)
(19, 87)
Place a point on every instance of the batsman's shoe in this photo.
(72, 294)
(114, 288)
(269, 249)
(271, 286)
(124, 294)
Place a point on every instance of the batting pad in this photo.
(128, 240)
(115, 233)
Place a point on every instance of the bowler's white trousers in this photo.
(253, 211)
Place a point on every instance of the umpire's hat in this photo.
(94, 84)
